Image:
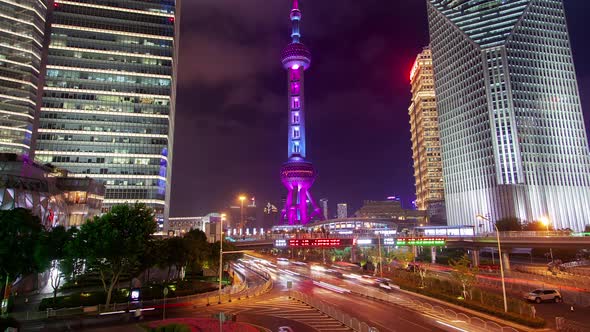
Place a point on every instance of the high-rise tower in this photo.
(511, 125)
(297, 174)
(22, 26)
(425, 136)
(108, 102)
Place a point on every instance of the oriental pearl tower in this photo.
(297, 174)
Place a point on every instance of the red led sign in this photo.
(319, 242)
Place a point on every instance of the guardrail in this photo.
(474, 323)
(236, 292)
(344, 318)
(546, 282)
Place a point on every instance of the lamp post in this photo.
(545, 221)
(221, 255)
(480, 217)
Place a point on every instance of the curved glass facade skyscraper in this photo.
(22, 26)
(108, 103)
(511, 125)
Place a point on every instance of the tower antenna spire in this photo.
(295, 18)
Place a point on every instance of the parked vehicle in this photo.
(541, 295)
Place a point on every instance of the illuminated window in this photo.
(295, 117)
(296, 148)
(296, 132)
(295, 88)
(295, 103)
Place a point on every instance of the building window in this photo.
(295, 103)
(295, 88)
(295, 117)
(296, 147)
(296, 132)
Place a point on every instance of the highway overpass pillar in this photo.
(415, 251)
(506, 261)
(475, 257)
(433, 254)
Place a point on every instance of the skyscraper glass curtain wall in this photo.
(22, 26)
(108, 102)
(425, 136)
(512, 131)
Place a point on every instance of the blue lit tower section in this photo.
(297, 174)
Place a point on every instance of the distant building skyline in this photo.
(425, 136)
(342, 210)
(512, 131)
(21, 50)
(108, 102)
(324, 207)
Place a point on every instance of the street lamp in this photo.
(480, 217)
(221, 254)
(545, 221)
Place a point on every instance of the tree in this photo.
(56, 247)
(150, 258)
(464, 273)
(21, 250)
(404, 257)
(113, 242)
(197, 249)
(175, 254)
(509, 224)
(587, 228)
(536, 226)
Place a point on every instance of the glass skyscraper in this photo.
(108, 102)
(22, 26)
(425, 137)
(511, 125)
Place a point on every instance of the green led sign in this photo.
(421, 241)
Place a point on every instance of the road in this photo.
(276, 309)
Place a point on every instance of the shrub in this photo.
(6, 322)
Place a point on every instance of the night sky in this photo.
(232, 110)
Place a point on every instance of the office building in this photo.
(511, 125)
(391, 209)
(108, 101)
(50, 193)
(425, 136)
(342, 210)
(22, 27)
(324, 207)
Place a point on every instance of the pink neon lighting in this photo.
(295, 4)
(295, 67)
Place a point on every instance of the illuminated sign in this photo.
(314, 243)
(389, 241)
(421, 241)
(364, 241)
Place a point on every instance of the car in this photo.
(387, 285)
(540, 295)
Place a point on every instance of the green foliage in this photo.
(587, 228)
(509, 224)
(404, 257)
(113, 242)
(21, 248)
(464, 273)
(536, 226)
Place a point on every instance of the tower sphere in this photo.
(298, 171)
(296, 54)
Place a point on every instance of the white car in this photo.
(540, 295)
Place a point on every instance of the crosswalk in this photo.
(286, 308)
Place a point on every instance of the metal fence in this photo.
(234, 292)
(567, 288)
(342, 317)
(466, 322)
